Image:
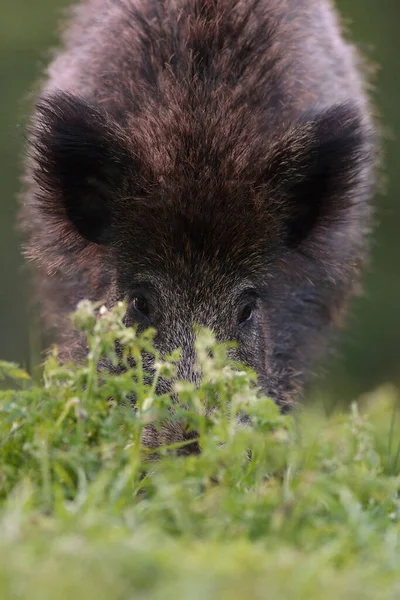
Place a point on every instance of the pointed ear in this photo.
(321, 169)
(79, 164)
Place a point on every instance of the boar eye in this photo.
(141, 305)
(245, 313)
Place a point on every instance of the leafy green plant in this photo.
(294, 506)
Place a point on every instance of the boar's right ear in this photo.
(79, 164)
(320, 167)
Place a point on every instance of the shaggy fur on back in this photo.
(202, 148)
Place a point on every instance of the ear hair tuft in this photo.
(79, 162)
(316, 167)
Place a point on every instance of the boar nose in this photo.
(187, 368)
(184, 339)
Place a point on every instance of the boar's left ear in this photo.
(321, 167)
(79, 164)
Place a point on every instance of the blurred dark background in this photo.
(369, 353)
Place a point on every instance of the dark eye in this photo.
(141, 305)
(245, 314)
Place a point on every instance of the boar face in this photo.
(253, 233)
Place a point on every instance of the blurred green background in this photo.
(369, 353)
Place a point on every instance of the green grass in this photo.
(301, 506)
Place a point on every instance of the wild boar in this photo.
(210, 162)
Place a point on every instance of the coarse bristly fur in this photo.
(211, 162)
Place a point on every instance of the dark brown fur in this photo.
(209, 156)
